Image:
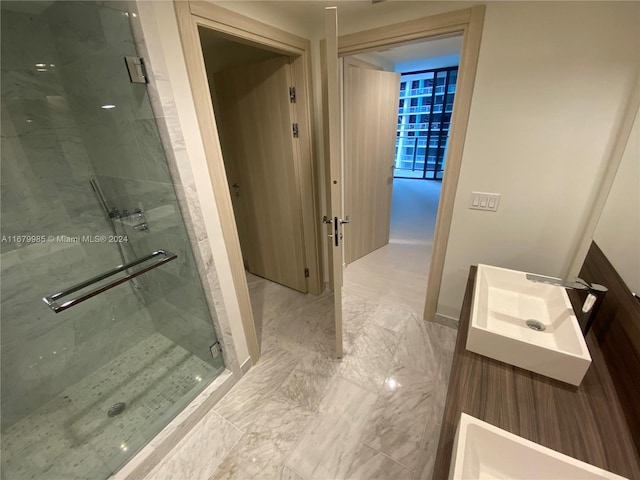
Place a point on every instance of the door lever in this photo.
(328, 221)
(346, 220)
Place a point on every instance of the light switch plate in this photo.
(484, 201)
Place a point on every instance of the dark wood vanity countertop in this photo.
(585, 422)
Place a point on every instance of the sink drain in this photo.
(116, 409)
(535, 325)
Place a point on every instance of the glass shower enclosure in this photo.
(105, 329)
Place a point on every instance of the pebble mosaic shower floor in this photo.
(72, 437)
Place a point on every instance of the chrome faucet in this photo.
(592, 303)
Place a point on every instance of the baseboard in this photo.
(446, 321)
(246, 366)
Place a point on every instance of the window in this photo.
(428, 96)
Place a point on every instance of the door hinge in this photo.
(292, 94)
(295, 130)
(137, 70)
(306, 273)
(215, 349)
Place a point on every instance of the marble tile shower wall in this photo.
(45, 191)
(126, 152)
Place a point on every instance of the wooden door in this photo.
(333, 165)
(371, 115)
(257, 141)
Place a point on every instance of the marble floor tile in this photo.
(392, 318)
(269, 437)
(255, 456)
(423, 346)
(287, 474)
(400, 415)
(257, 386)
(395, 274)
(302, 414)
(368, 362)
(200, 452)
(356, 311)
(308, 328)
(428, 448)
(329, 443)
(274, 414)
(370, 464)
(268, 297)
(307, 383)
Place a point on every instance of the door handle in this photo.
(335, 221)
(346, 220)
(328, 221)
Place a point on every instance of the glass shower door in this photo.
(85, 188)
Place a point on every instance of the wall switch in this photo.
(484, 201)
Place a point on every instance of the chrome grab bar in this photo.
(164, 256)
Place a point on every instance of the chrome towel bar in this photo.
(160, 256)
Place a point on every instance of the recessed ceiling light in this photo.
(107, 107)
(41, 69)
(41, 64)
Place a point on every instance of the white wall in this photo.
(551, 86)
(618, 231)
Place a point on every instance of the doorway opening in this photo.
(395, 272)
(254, 97)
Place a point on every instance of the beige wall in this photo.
(552, 82)
(618, 231)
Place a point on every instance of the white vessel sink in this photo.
(483, 451)
(504, 303)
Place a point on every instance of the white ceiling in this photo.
(440, 47)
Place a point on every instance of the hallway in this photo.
(302, 414)
(397, 273)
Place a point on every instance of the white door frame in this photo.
(469, 23)
(191, 15)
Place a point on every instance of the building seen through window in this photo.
(424, 117)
